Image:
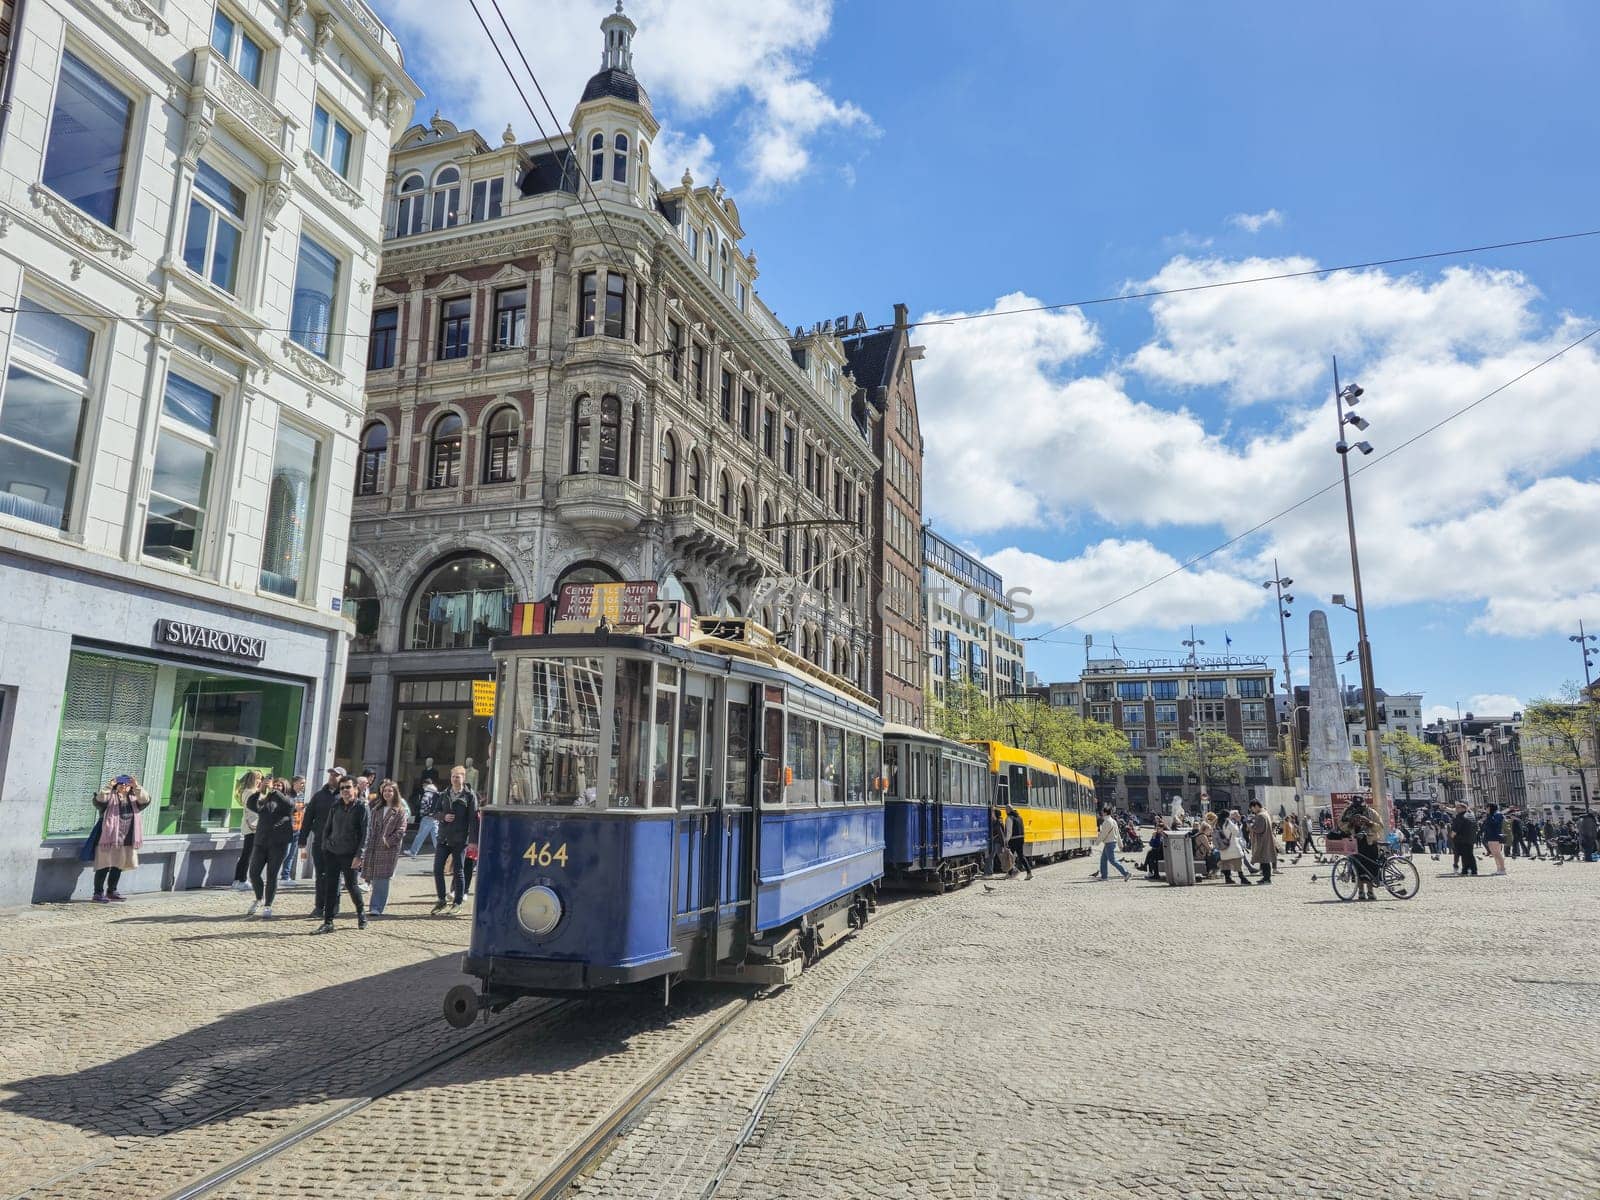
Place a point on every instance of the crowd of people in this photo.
(347, 838)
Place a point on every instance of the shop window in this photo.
(42, 411)
(242, 52)
(500, 446)
(331, 140)
(180, 490)
(381, 342)
(316, 286)
(215, 232)
(460, 604)
(444, 452)
(86, 154)
(286, 554)
(361, 603)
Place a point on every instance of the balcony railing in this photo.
(237, 104)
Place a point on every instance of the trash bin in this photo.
(1178, 860)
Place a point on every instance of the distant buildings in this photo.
(1491, 754)
(971, 624)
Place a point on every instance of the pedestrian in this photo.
(386, 836)
(1291, 834)
(1158, 846)
(1016, 839)
(317, 810)
(1263, 846)
(248, 785)
(471, 850)
(456, 809)
(997, 839)
(1361, 821)
(274, 813)
(1230, 849)
(427, 817)
(1205, 850)
(1494, 836)
(1588, 837)
(342, 836)
(117, 849)
(1464, 832)
(297, 797)
(1108, 847)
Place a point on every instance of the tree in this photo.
(1213, 756)
(1410, 760)
(1562, 733)
(1060, 734)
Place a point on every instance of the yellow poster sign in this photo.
(483, 697)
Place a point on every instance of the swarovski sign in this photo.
(181, 635)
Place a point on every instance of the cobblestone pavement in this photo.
(1068, 1038)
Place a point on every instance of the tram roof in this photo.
(999, 752)
(911, 733)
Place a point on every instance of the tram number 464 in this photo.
(542, 855)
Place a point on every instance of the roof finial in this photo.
(619, 31)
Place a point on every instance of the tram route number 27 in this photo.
(542, 855)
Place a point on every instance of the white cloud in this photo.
(1483, 704)
(1256, 222)
(696, 58)
(1494, 510)
(676, 153)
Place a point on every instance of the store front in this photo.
(435, 728)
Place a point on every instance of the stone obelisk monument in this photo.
(1329, 766)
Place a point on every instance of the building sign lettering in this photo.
(180, 635)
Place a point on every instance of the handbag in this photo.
(86, 851)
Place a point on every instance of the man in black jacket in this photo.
(1464, 830)
(455, 809)
(342, 835)
(317, 809)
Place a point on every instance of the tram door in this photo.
(696, 852)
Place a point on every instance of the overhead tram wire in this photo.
(1303, 501)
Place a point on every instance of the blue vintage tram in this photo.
(700, 807)
(935, 810)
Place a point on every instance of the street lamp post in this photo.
(1583, 639)
(1342, 396)
(1194, 644)
(1280, 582)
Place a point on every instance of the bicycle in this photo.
(1396, 873)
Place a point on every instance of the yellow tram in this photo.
(1057, 804)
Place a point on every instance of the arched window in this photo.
(766, 523)
(788, 544)
(582, 434)
(374, 454)
(446, 198)
(413, 204)
(725, 494)
(587, 571)
(635, 441)
(500, 446)
(711, 245)
(619, 160)
(696, 483)
(722, 255)
(669, 464)
(361, 603)
(745, 507)
(444, 452)
(597, 158)
(610, 435)
(460, 604)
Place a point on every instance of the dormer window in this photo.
(597, 158)
(619, 159)
(408, 219)
(446, 198)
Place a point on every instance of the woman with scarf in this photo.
(120, 803)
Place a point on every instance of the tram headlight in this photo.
(539, 910)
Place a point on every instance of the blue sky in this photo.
(951, 155)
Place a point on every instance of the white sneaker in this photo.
(266, 913)
(241, 886)
(251, 911)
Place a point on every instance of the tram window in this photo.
(737, 776)
(891, 761)
(630, 734)
(691, 741)
(555, 734)
(661, 739)
(802, 761)
(772, 755)
(855, 769)
(830, 784)
(944, 779)
(1019, 785)
(875, 752)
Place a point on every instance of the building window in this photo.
(610, 435)
(1255, 687)
(725, 494)
(1164, 689)
(699, 361)
(766, 522)
(635, 441)
(455, 327)
(1213, 712)
(1133, 714)
(696, 481)
(788, 544)
(85, 156)
(582, 434)
(460, 605)
(1165, 738)
(1253, 712)
(1166, 714)
(691, 239)
(511, 318)
(838, 493)
(1135, 739)
(42, 411)
(413, 206)
(722, 256)
(675, 351)
(241, 51)
(361, 602)
(374, 450)
(744, 297)
(286, 548)
(380, 345)
(316, 284)
(446, 198)
(500, 446)
(1130, 691)
(587, 298)
(1213, 689)
(669, 464)
(1255, 739)
(616, 304)
(727, 397)
(331, 141)
(216, 228)
(488, 197)
(444, 452)
(747, 405)
(597, 158)
(788, 450)
(769, 422)
(811, 470)
(619, 159)
(180, 490)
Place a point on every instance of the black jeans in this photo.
(332, 868)
(243, 865)
(268, 858)
(1469, 860)
(458, 876)
(1266, 872)
(107, 876)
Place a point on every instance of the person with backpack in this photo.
(1016, 841)
(427, 797)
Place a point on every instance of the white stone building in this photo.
(190, 202)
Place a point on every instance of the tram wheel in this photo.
(461, 1006)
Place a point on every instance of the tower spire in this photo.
(619, 31)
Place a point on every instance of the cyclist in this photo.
(1362, 822)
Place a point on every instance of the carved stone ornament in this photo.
(273, 199)
(309, 365)
(196, 134)
(380, 100)
(322, 34)
(141, 13)
(89, 234)
(329, 179)
(295, 9)
(250, 105)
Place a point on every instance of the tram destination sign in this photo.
(180, 635)
(617, 603)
